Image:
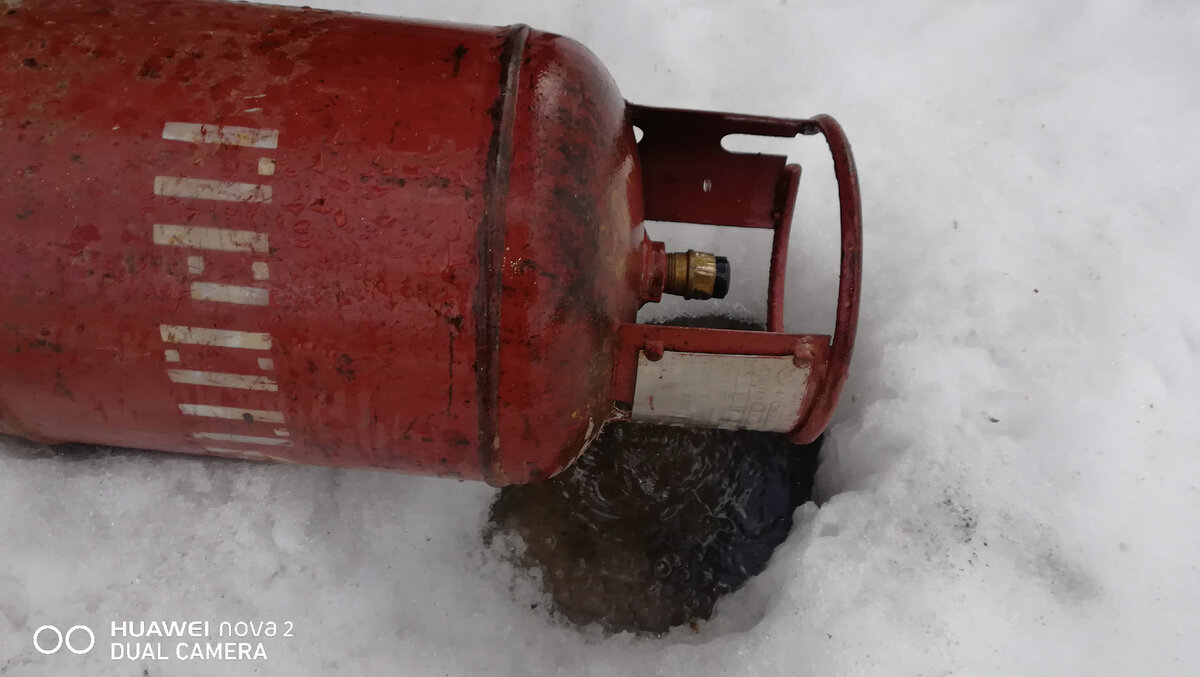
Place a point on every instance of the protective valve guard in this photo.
(662, 372)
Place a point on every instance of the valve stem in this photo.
(697, 275)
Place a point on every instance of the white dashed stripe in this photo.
(209, 189)
(227, 135)
(247, 454)
(232, 413)
(230, 293)
(243, 439)
(223, 338)
(220, 380)
(216, 239)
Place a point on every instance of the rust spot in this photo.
(43, 343)
(344, 367)
(248, 417)
(24, 214)
(457, 56)
(450, 375)
(31, 63)
(60, 386)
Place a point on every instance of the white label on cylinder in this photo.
(216, 239)
(226, 135)
(754, 392)
(210, 189)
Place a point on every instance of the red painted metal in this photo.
(849, 285)
(777, 275)
(298, 235)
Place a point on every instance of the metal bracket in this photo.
(689, 178)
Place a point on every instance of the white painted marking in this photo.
(232, 413)
(261, 270)
(248, 455)
(755, 392)
(253, 110)
(230, 293)
(221, 338)
(266, 364)
(209, 189)
(227, 135)
(266, 166)
(282, 432)
(254, 96)
(220, 380)
(171, 355)
(244, 439)
(216, 239)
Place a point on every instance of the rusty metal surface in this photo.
(369, 307)
(305, 236)
(335, 183)
(575, 249)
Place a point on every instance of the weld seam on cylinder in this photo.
(491, 251)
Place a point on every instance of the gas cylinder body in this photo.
(296, 235)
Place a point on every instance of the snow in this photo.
(1010, 482)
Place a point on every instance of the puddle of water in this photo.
(654, 523)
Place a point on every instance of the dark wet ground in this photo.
(655, 523)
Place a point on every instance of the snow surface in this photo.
(1010, 483)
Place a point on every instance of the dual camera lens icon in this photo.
(79, 639)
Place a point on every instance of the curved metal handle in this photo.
(850, 282)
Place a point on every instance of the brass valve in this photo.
(697, 275)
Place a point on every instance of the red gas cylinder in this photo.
(298, 235)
